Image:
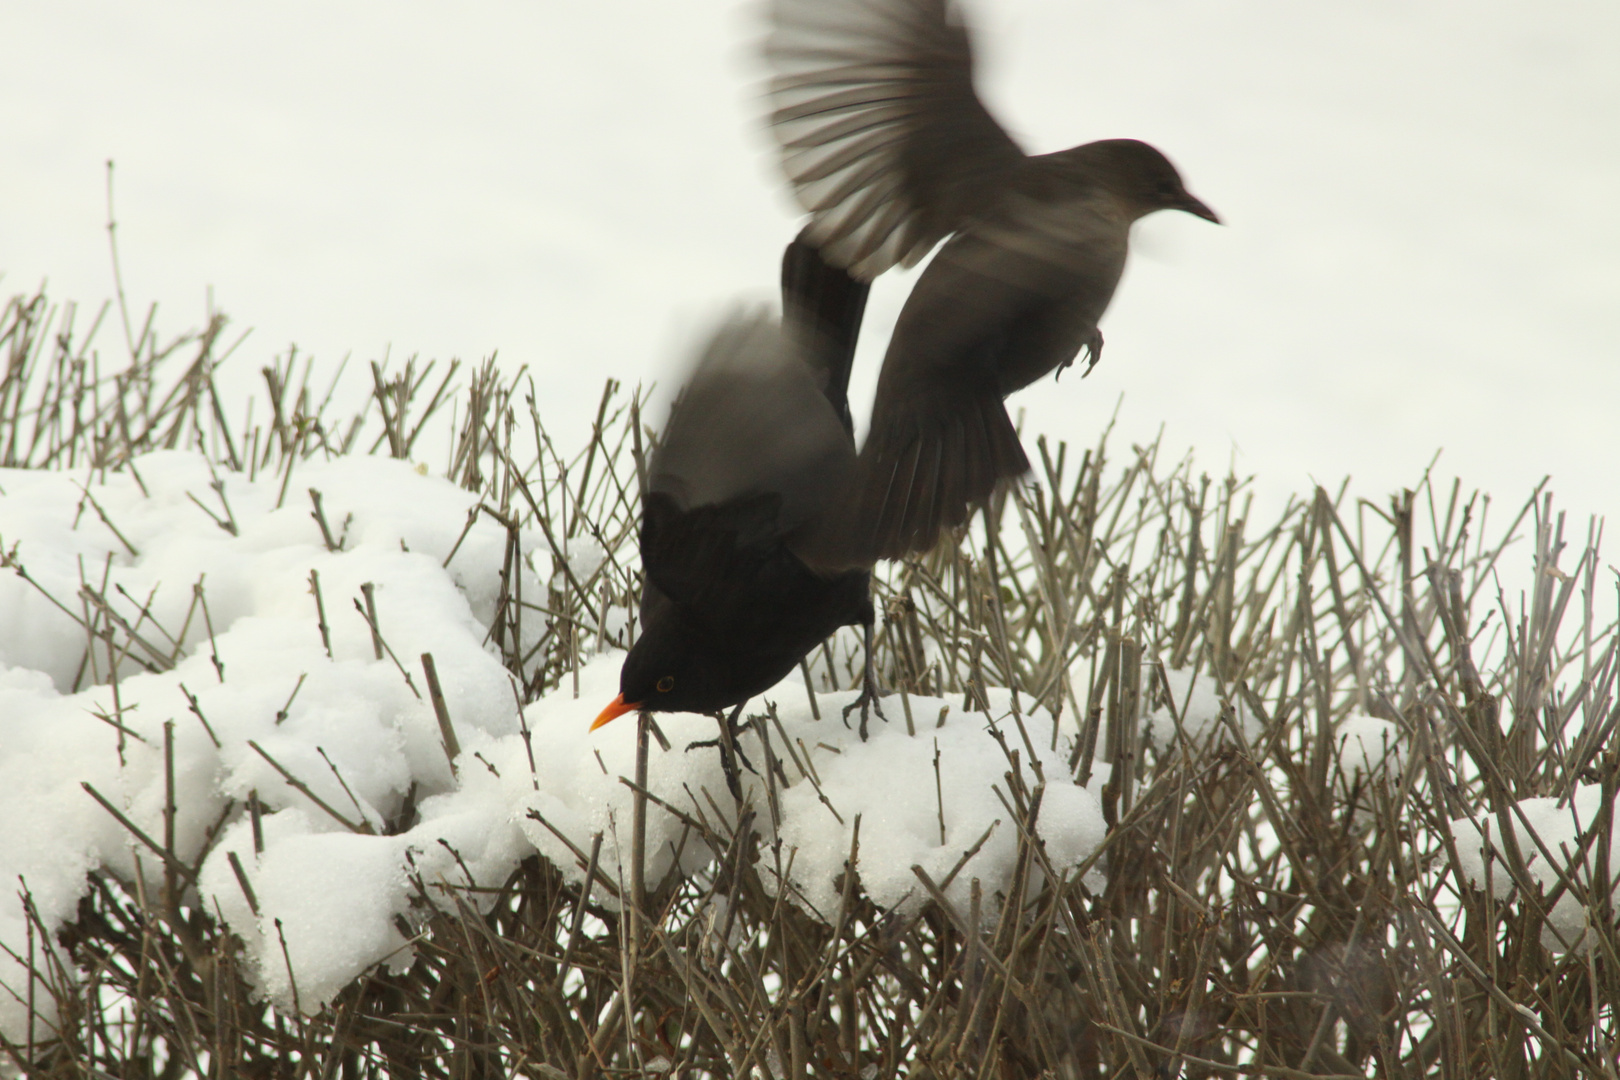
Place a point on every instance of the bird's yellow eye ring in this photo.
(666, 684)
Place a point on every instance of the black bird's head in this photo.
(668, 670)
(1143, 177)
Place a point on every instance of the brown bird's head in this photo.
(1140, 175)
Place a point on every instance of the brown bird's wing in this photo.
(940, 439)
(1000, 306)
(753, 459)
(883, 137)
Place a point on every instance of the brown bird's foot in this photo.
(1093, 347)
(1093, 352)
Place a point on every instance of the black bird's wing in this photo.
(883, 137)
(752, 461)
(707, 558)
(824, 306)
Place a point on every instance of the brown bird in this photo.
(889, 148)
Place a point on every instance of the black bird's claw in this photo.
(1093, 346)
(730, 751)
(867, 703)
(721, 746)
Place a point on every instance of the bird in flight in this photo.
(888, 147)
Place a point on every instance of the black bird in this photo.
(740, 538)
(889, 148)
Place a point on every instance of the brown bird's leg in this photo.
(868, 701)
(1093, 346)
(1093, 351)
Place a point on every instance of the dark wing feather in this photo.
(1003, 304)
(753, 459)
(883, 137)
(915, 480)
(824, 306)
(978, 321)
(705, 558)
(752, 420)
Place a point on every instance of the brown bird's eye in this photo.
(666, 684)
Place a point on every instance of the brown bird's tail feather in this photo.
(914, 480)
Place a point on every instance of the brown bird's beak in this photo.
(1196, 208)
(616, 708)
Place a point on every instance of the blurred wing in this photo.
(883, 137)
(824, 306)
(753, 450)
(703, 558)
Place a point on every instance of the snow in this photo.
(327, 888)
(352, 731)
(1195, 700)
(1369, 748)
(900, 812)
(1548, 833)
(1421, 248)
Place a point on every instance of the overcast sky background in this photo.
(1422, 248)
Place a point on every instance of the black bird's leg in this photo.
(868, 701)
(730, 752)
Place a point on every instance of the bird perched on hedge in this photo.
(888, 147)
(740, 526)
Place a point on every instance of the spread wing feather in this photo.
(883, 137)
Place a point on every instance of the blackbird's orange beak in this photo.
(618, 707)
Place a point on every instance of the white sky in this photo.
(1422, 249)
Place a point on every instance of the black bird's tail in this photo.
(826, 305)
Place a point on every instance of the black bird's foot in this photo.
(700, 743)
(868, 704)
(1093, 347)
(868, 701)
(730, 751)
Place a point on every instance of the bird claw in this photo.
(730, 752)
(867, 703)
(1094, 346)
